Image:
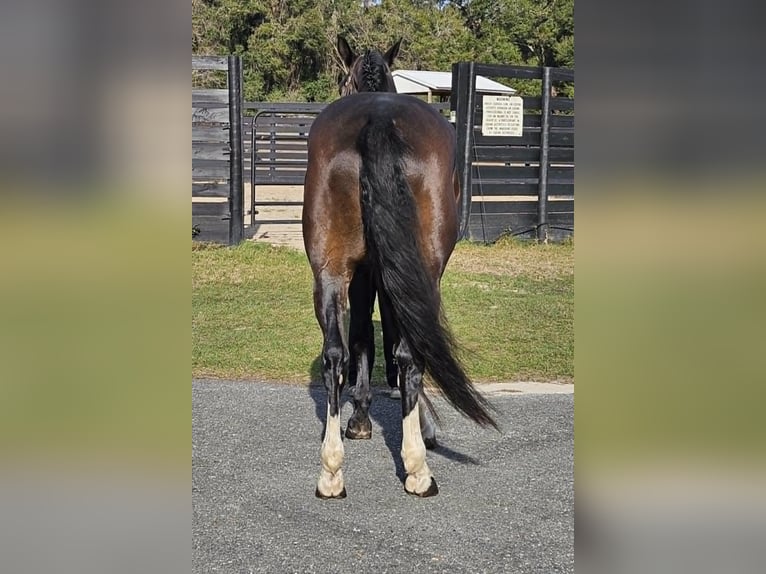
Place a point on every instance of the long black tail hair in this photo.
(390, 225)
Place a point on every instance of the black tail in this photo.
(390, 224)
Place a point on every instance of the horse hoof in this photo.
(356, 434)
(341, 494)
(358, 431)
(430, 442)
(432, 490)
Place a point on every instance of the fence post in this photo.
(236, 187)
(542, 195)
(465, 84)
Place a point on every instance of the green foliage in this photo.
(288, 48)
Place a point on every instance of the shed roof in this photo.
(422, 82)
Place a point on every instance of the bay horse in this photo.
(380, 214)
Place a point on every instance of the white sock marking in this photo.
(330, 481)
(414, 454)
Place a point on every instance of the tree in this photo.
(288, 48)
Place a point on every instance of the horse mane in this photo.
(373, 71)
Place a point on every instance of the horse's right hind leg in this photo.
(330, 293)
(390, 335)
(419, 480)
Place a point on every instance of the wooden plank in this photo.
(560, 103)
(562, 74)
(496, 224)
(526, 153)
(207, 115)
(502, 172)
(218, 151)
(529, 137)
(507, 207)
(210, 170)
(490, 227)
(197, 162)
(494, 207)
(211, 189)
(218, 209)
(213, 229)
(561, 219)
(535, 121)
(501, 71)
(562, 122)
(210, 97)
(210, 63)
(210, 134)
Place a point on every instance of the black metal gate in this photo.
(277, 136)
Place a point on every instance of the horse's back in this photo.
(342, 120)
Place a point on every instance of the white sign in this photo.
(502, 116)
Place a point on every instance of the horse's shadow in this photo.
(386, 412)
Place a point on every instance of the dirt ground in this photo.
(287, 234)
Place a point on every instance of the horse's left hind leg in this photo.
(419, 480)
(330, 303)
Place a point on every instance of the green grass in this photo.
(510, 306)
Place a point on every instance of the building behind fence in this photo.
(517, 185)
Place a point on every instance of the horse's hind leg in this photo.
(419, 480)
(361, 296)
(391, 334)
(427, 424)
(330, 293)
(390, 337)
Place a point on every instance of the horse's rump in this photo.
(428, 163)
